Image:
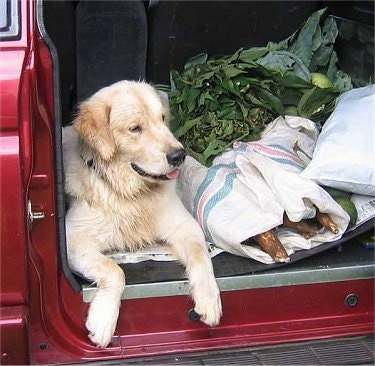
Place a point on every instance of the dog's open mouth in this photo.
(168, 176)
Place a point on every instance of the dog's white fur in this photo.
(116, 208)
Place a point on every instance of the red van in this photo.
(318, 309)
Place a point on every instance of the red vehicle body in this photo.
(42, 315)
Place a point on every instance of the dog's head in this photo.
(126, 124)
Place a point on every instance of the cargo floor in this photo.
(342, 253)
(346, 261)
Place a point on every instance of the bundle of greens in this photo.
(218, 100)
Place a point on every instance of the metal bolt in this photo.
(351, 300)
(193, 315)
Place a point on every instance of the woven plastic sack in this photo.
(248, 188)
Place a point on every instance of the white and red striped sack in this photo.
(248, 188)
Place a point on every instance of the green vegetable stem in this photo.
(218, 100)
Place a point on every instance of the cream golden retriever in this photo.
(121, 162)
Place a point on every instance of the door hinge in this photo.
(34, 215)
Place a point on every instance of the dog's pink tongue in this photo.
(173, 175)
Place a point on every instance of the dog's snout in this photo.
(176, 157)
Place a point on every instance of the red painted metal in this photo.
(14, 337)
(15, 168)
(13, 282)
(39, 307)
(251, 317)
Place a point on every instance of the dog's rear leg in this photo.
(104, 308)
(189, 246)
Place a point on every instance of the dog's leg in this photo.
(104, 308)
(188, 245)
(191, 251)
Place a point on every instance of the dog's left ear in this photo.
(92, 125)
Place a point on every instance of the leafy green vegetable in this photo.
(321, 80)
(218, 100)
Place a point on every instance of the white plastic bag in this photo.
(344, 156)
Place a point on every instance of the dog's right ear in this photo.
(92, 125)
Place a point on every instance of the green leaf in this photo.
(183, 129)
(272, 101)
(231, 71)
(332, 66)
(304, 44)
(202, 78)
(252, 54)
(196, 61)
(321, 58)
(192, 96)
(197, 156)
(228, 85)
(300, 69)
(291, 96)
(230, 58)
(172, 76)
(229, 113)
(329, 31)
(314, 101)
(255, 101)
(316, 39)
(214, 148)
(291, 110)
(276, 61)
(279, 46)
(244, 111)
(213, 104)
(204, 97)
(291, 80)
(323, 54)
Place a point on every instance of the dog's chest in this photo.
(133, 225)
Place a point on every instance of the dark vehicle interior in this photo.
(101, 42)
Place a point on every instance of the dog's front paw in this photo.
(208, 305)
(101, 322)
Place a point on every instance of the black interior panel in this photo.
(59, 20)
(179, 30)
(111, 44)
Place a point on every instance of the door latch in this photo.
(34, 215)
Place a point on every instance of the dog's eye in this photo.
(163, 117)
(135, 129)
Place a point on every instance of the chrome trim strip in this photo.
(276, 278)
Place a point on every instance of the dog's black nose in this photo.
(176, 157)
